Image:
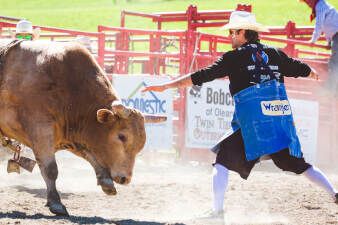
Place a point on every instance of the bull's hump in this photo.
(43, 46)
(49, 46)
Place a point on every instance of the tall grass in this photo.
(87, 14)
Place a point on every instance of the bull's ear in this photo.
(104, 115)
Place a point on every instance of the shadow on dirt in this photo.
(79, 219)
(39, 193)
(133, 222)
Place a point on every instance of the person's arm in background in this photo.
(184, 81)
(320, 16)
(216, 70)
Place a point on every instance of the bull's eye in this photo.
(122, 138)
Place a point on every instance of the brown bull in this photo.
(54, 96)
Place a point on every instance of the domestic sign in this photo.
(159, 135)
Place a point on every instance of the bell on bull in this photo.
(26, 163)
(13, 166)
(17, 161)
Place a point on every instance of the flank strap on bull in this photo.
(17, 161)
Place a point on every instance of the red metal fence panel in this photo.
(180, 52)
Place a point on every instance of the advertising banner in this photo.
(128, 87)
(209, 113)
(305, 115)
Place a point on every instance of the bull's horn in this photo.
(120, 109)
(154, 119)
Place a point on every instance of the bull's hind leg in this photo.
(45, 157)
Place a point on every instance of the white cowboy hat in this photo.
(244, 20)
(24, 26)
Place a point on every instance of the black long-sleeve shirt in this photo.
(239, 66)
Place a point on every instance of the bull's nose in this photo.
(123, 180)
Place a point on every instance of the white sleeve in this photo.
(320, 16)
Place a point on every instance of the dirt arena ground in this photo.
(166, 193)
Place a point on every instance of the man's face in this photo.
(25, 36)
(237, 38)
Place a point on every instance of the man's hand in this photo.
(313, 75)
(311, 42)
(158, 88)
(180, 82)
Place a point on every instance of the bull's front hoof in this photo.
(58, 209)
(107, 186)
(109, 191)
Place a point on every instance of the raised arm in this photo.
(216, 70)
(181, 82)
(321, 8)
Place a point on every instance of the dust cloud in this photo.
(165, 191)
